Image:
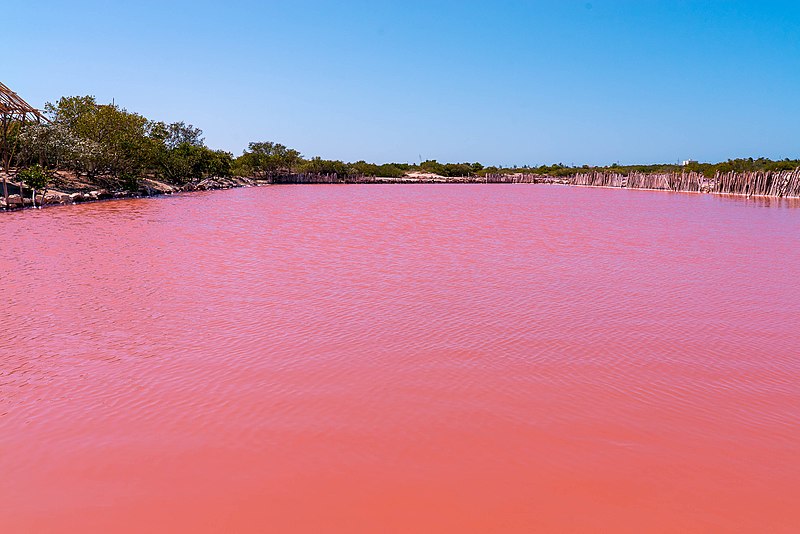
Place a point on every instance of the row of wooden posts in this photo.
(758, 183)
(769, 184)
(690, 181)
(782, 184)
(333, 178)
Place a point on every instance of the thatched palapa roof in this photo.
(13, 107)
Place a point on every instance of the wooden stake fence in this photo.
(782, 184)
(760, 183)
(769, 183)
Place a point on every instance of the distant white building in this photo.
(688, 162)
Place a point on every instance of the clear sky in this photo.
(502, 82)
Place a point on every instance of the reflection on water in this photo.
(401, 358)
(768, 202)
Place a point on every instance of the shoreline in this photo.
(53, 197)
(154, 189)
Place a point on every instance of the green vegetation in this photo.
(267, 159)
(110, 146)
(114, 147)
(707, 169)
(36, 178)
(451, 169)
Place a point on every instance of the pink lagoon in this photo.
(402, 358)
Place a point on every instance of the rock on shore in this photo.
(147, 187)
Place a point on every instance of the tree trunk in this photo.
(21, 186)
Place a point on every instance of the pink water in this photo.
(457, 358)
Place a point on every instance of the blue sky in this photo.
(503, 82)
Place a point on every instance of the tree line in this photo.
(116, 148)
(111, 146)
